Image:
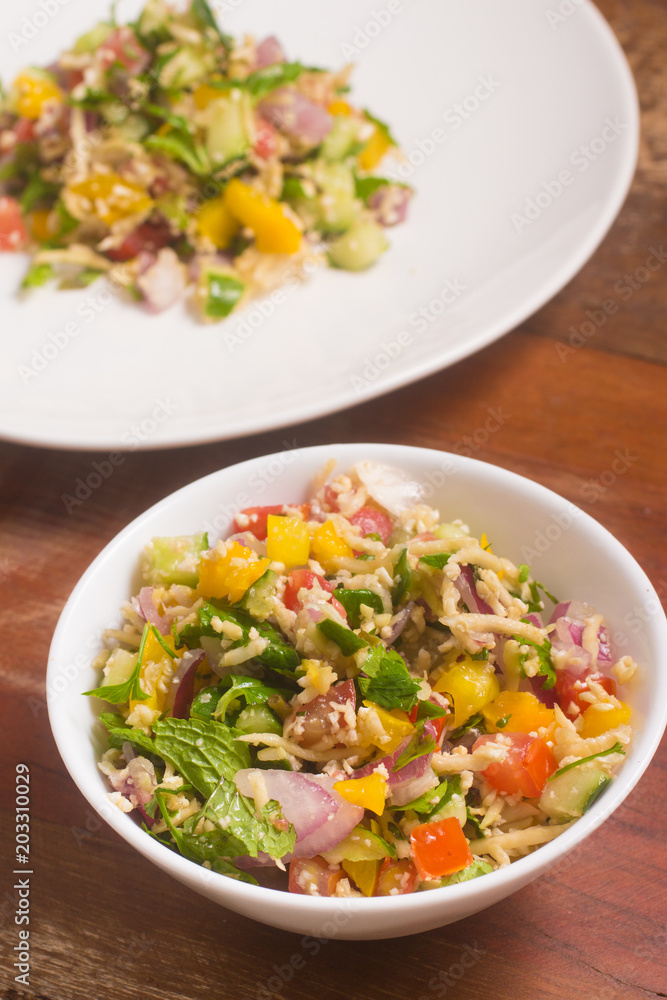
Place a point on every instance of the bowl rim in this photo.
(228, 891)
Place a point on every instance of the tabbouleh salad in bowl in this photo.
(350, 696)
(174, 159)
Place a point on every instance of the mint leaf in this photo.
(347, 641)
(420, 744)
(429, 802)
(264, 80)
(120, 732)
(438, 560)
(235, 815)
(202, 752)
(352, 601)
(402, 578)
(387, 681)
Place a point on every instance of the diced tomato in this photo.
(372, 521)
(425, 536)
(13, 232)
(305, 578)
(123, 46)
(148, 237)
(317, 720)
(570, 685)
(24, 130)
(266, 142)
(314, 876)
(526, 767)
(254, 519)
(440, 848)
(396, 877)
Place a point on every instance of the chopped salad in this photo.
(177, 160)
(355, 697)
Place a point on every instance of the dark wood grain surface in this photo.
(105, 924)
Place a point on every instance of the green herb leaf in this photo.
(420, 744)
(501, 723)
(118, 694)
(347, 641)
(120, 732)
(202, 752)
(388, 682)
(37, 190)
(251, 833)
(402, 579)
(381, 126)
(544, 655)
(438, 560)
(617, 748)
(429, 710)
(180, 145)
(427, 803)
(474, 822)
(264, 80)
(474, 722)
(524, 572)
(251, 690)
(38, 274)
(352, 601)
(204, 15)
(474, 870)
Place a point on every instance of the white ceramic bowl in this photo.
(570, 552)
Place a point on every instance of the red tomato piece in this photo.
(314, 876)
(526, 767)
(254, 519)
(148, 237)
(396, 878)
(266, 142)
(13, 232)
(372, 521)
(570, 685)
(305, 578)
(317, 720)
(24, 130)
(440, 848)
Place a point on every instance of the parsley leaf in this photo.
(438, 560)
(264, 80)
(352, 601)
(474, 722)
(347, 641)
(387, 681)
(118, 694)
(420, 744)
(544, 655)
(617, 748)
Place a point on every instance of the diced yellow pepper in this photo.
(274, 231)
(364, 874)
(471, 684)
(523, 711)
(215, 221)
(204, 94)
(327, 547)
(396, 725)
(30, 93)
(339, 107)
(155, 663)
(287, 540)
(374, 151)
(596, 722)
(39, 224)
(369, 792)
(113, 197)
(231, 573)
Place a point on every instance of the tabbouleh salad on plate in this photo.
(177, 160)
(355, 693)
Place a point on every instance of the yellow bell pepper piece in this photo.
(287, 540)
(231, 573)
(364, 874)
(204, 94)
(339, 107)
(523, 711)
(596, 722)
(215, 221)
(30, 93)
(274, 231)
(328, 547)
(374, 151)
(113, 197)
(39, 224)
(471, 684)
(369, 792)
(396, 725)
(155, 663)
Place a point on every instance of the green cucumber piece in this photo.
(359, 247)
(91, 40)
(257, 601)
(258, 719)
(341, 139)
(227, 134)
(172, 560)
(359, 845)
(570, 794)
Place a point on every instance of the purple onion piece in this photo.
(268, 52)
(183, 683)
(150, 612)
(465, 584)
(402, 620)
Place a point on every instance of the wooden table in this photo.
(106, 924)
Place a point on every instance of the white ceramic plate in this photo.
(520, 125)
(573, 554)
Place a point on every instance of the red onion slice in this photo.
(402, 783)
(465, 584)
(319, 815)
(183, 683)
(268, 52)
(296, 115)
(402, 620)
(150, 612)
